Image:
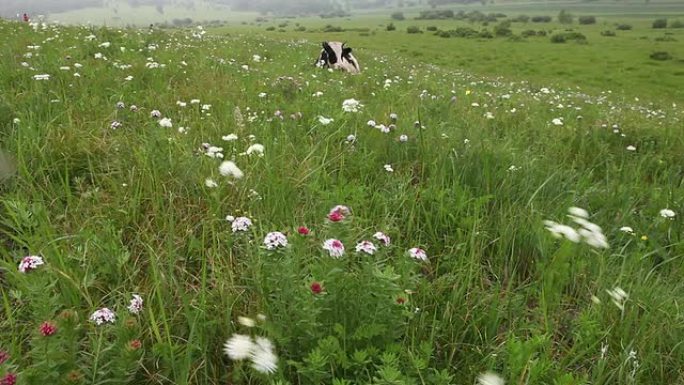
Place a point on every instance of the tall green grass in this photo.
(115, 212)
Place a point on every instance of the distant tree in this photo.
(398, 16)
(565, 17)
(587, 20)
(660, 23)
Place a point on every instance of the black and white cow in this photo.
(335, 55)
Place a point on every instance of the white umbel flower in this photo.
(489, 378)
(228, 168)
(263, 358)
(238, 347)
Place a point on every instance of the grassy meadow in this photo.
(180, 207)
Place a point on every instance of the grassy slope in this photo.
(121, 211)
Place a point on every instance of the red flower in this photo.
(303, 230)
(335, 216)
(135, 344)
(9, 379)
(47, 329)
(401, 300)
(4, 356)
(316, 288)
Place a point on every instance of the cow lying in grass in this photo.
(336, 56)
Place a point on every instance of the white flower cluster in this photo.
(259, 350)
(275, 240)
(588, 232)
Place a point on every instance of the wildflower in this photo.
(667, 213)
(230, 218)
(47, 329)
(489, 378)
(578, 212)
(351, 138)
(206, 107)
(351, 105)
(133, 108)
(136, 304)
(262, 94)
(246, 321)
(115, 124)
(644, 237)
(627, 229)
(403, 138)
(335, 216)
(194, 101)
(128, 78)
(30, 263)
(371, 123)
(263, 358)
(418, 253)
(155, 114)
(334, 247)
(9, 379)
(631, 148)
(241, 224)
(103, 315)
(316, 288)
(393, 117)
(181, 103)
(317, 94)
(588, 232)
(165, 122)
(238, 347)
(338, 213)
(210, 183)
(401, 300)
(382, 237)
(618, 296)
(388, 168)
(214, 152)
(229, 137)
(366, 247)
(41, 77)
(4, 357)
(384, 129)
(562, 231)
(256, 148)
(275, 240)
(303, 230)
(557, 121)
(228, 168)
(135, 344)
(120, 105)
(325, 121)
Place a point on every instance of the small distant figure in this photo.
(26, 18)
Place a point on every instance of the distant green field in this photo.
(619, 63)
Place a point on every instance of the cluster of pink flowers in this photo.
(30, 263)
(338, 213)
